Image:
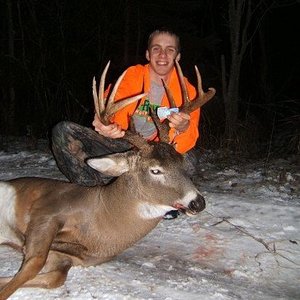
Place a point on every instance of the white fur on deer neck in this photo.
(152, 211)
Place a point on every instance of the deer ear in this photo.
(111, 165)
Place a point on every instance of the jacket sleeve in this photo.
(187, 140)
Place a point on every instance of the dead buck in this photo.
(58, 225)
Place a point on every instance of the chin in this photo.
(163, 70)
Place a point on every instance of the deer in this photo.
(56, 224)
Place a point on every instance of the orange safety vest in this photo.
(137, 81)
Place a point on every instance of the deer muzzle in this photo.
(194, 206)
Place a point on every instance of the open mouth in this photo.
(185, 210)
(162, 63)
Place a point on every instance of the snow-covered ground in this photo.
(245, 245)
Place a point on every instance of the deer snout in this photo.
(197, 205)
(193, 206)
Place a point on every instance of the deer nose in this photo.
(198, 204)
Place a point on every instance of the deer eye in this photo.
(156, 171)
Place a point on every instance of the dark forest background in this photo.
(247, 50)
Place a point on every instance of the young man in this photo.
(163, 50)
(73, 143)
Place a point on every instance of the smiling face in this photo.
(161, 53)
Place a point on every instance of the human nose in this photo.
(162, 52)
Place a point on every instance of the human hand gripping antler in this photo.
(188, 105)
(106, 108)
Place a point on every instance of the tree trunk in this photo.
(9, 114)
(238, 41)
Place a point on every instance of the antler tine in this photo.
(202, 97)
(99, 100)
(189, 106)
(169, 94)
(162, 127)
(102, 100)
(96, 100)
(185, 97)
(112, 106)
(105, 109)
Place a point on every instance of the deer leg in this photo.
(39, 236)
(28, 270)
(54, 273)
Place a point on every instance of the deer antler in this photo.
(106, 108)
(189, 106)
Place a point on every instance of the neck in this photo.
(158, 78)
(128, 212)
(130, 204)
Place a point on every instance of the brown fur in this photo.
(62, 224)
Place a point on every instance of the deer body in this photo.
(60, 224)
(91, 217)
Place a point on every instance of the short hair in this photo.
(164, 31)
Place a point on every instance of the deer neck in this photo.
(125, 199)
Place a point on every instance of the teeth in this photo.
(190, 214)
(161, 63)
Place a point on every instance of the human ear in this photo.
(147, 55)
(178, 56)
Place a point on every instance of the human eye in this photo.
(155, 49)
(171, 50)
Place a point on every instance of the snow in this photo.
(245, 245)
